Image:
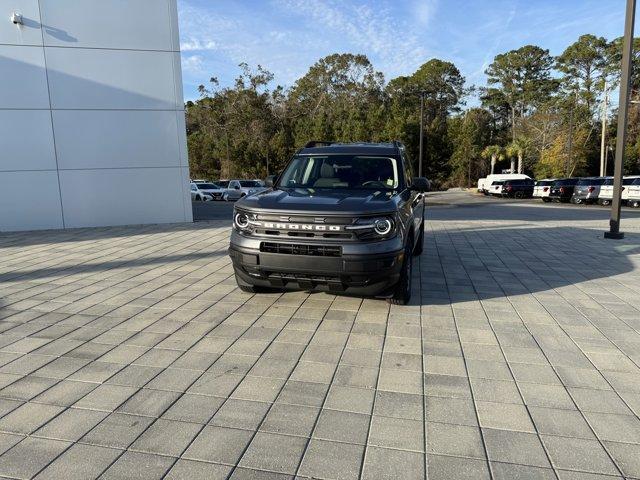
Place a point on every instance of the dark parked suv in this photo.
(562, 189)
(521, 188)
(346, 218)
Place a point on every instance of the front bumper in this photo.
(368, 269)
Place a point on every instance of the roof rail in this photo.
(318, 143)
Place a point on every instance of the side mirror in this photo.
(420, 184)
(270, 181)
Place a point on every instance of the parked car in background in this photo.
(198, 195)
(495, 189)
(633, 195)
(542, 188)
(562, 189)
(488, 182)
(481, 184)
(210, 188)
(522, 188)
(237, 189)
(606, 192)
(587, 190)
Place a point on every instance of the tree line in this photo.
(537, 114)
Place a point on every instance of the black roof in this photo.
(360, 148)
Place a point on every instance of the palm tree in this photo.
(495, 153)
(517, 148)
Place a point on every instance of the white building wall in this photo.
(92, 129)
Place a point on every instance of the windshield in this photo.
(207, 186)
(249, 183)
(341, 172)
(223, 183)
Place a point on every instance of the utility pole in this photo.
(623, 110)
(422, 93)
(603, 140)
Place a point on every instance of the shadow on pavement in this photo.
(485, 263)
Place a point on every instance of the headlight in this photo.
(383, 226)
(241, 220)
(374, 228)
(251, 192)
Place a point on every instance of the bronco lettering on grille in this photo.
(298, 226)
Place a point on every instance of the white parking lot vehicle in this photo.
(633, 199)
(198, 195)
(542, 188)
(606, 191)
(487, 184)
(210, 188)
(481, 184)
(237, 189)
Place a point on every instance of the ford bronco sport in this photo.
(341, 217)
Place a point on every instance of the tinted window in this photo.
(223, 183)
(628, 181)
(207, 186)
(566, 182)
(249, 183)
(636, 181)
(591, 181)
(544, 183)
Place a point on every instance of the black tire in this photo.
(519, 195)
(198, 198)
(419, 246)
(605, 203)
(546, 200)
(634, 203)
(576, 201)
(402, 292)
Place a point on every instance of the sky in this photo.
(287, 36)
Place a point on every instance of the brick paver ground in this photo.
(130, 353)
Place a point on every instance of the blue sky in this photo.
(287, 36)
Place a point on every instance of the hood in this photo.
(325, 201)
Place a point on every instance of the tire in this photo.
(605, 203)
(419, 246)
(402, 291)
(198, 198)
(634, 203)
(519, 195)
(546, 200)
(577, 201)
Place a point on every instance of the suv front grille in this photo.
(301, 249)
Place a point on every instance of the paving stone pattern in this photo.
(130, 353)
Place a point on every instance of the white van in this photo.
(500, 177)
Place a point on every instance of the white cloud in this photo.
(193, 64)
(395, 43)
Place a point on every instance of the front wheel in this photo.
(402, 292)
(519, 195)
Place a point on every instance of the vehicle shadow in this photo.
(529, 211)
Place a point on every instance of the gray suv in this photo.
(341, 217)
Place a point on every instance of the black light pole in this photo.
(421, 132)
(623, 109)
